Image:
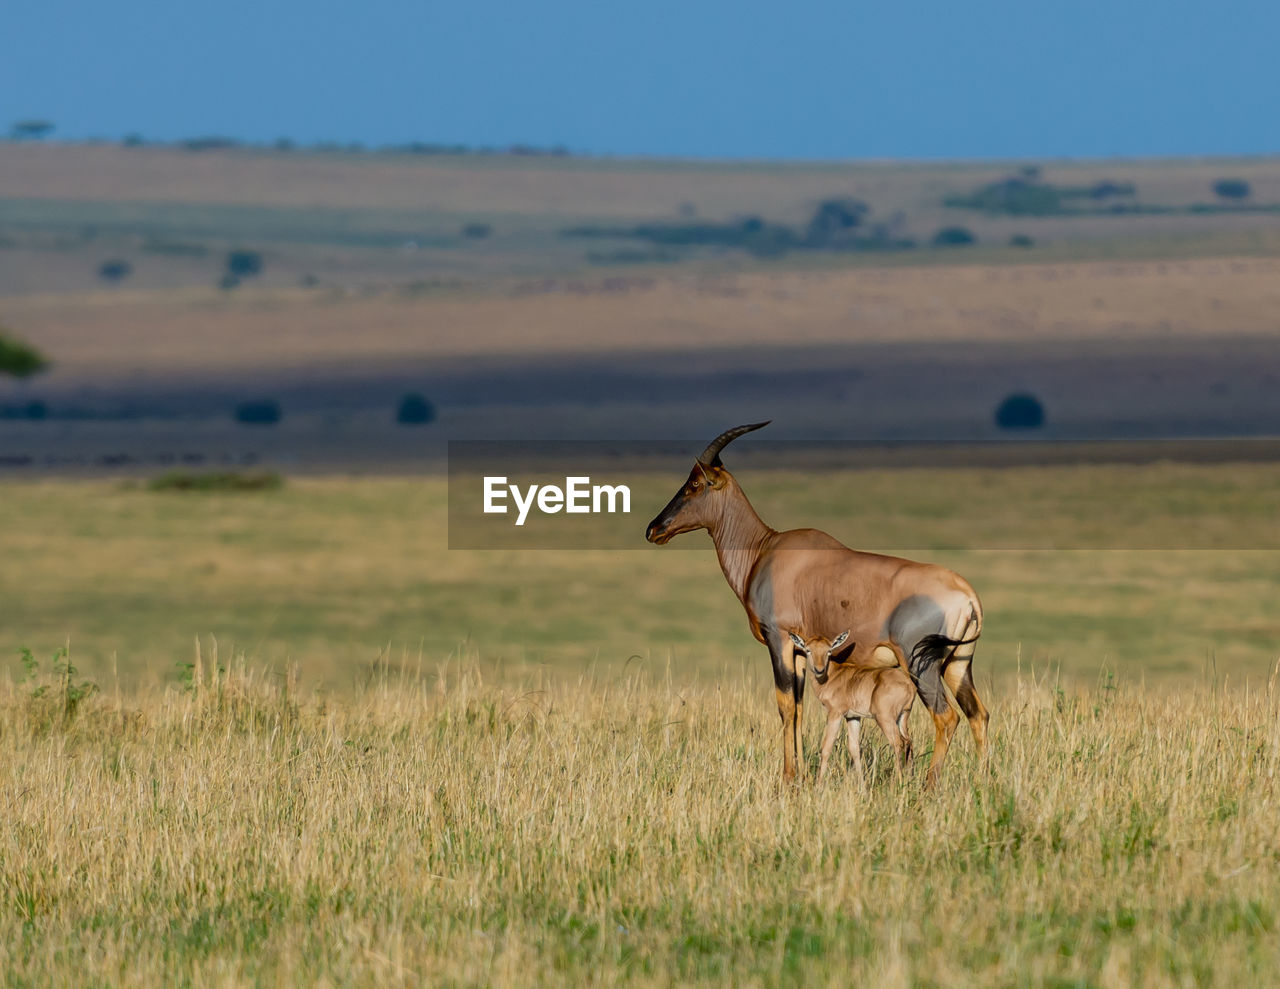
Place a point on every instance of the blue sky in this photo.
(804, 79)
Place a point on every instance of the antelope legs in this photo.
(787, 712)
(853, 730)
(828, 742)
(788, 688)
(797, 724)
(904, 720)
(959, 678)
(944, 726)
(899, 740)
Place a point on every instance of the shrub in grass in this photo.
(54, 694)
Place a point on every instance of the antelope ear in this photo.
(798, 642)
(840, 639)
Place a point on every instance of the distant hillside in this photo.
(76, 217)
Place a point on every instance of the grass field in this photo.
(306, 742)
(1148, 571)
(569, 830)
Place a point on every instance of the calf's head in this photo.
(819, 650)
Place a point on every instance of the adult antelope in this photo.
(919, 616)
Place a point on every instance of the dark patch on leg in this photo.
(784, 681)
(967, 697)
(928, 680)
(972, 706)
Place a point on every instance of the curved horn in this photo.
(711, 455)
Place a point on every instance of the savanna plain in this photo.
(297, 739)
(286, 735)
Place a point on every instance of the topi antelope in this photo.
(919, 616)
(851, 693)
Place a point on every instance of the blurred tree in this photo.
(244, 264)
(1232, 188)
(211, 143)
(1020, 411)
(1107, 189)
(835, 217)
(18, 359)
(261, 412)
(415, 410)
(114, 270)
(31, 130)
(477, 230)
(953, 237)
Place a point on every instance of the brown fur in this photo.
(810, 582)
(851, 693)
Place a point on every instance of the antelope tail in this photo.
(936, 648)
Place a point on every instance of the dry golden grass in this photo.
(442, 830)
(590, 794)
(331, 574)
(109, 335)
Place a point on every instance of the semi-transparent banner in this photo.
(602, 495)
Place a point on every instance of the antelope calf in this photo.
(851, 693)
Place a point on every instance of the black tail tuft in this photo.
(934, 649)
